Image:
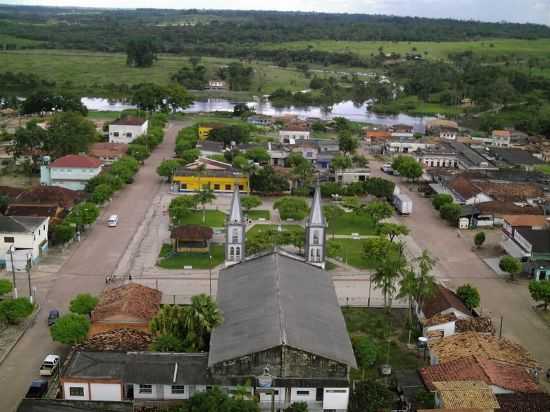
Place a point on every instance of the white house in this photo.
(406, 144)
(501, 138)
(290, 134)
(127, 130)
(71, 171)
(25, 236)
(347, 176)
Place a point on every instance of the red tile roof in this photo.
(65, 198)
(510, 377)
(77, 161)
(443, 299)
(108, 149)
(132, 299)
(524, 402)
(192, 232)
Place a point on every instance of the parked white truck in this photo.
(402, 202)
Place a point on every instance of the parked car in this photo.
(386, 168)
(49, 365)
(53, 315)
(113, 221)
(38, 389)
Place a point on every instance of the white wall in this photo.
(105, 392)
(153, 395)
(310, 397)
(67, 393)
(29, 241)
(447, 328)
(167, 392)
(289, 136)
(123, 130)
(279, 396)
(336, 398)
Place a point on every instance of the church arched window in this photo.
(235, 235)
(237, 252)
(315, 237)
(231, 253)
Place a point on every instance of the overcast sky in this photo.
(535, 11)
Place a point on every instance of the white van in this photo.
(113, 221)
(49, 366)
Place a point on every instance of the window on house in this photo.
(145, 389)
(178, 389)
(9, 239)
(128, 134)
(241, 187)
(227, 187)
(216, 187)
(238, 252)
(76, 391)
(302, 393)
(183, 186)
(115, 134)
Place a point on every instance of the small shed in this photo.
(191, 238)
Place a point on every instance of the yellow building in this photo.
(208, 173)
(205, 129)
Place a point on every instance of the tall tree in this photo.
(69, 133)
(201, 317)
(140, 52)
(203, 197)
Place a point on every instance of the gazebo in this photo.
(191, 238)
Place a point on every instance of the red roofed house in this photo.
(500, 377)
(108, 152)
(71, 171)
(291, 133)
(439, 313)
(131, 306)
(127, 129)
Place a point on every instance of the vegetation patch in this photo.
(214, 218)
(196, 260)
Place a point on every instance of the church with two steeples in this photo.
(315, 233)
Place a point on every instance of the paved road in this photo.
(458, 264)
(84, 271)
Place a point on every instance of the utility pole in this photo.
(11, 250)
(28, 267)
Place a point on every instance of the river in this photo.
(347, 109)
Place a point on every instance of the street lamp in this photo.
(28, 268)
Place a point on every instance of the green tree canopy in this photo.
(167, 343)
(141, 52)
(181, 207)
(370, 396)
(215, 400)
(63, 232)
(392, 230)
(347, 143)
(441, 199)
(540, 292)
(201, 317)
(450, 212)
(341, 162)
(469, 295)
(379, 187)
(102, 193)
(290, 207)
(83, 304)
(265, 180)
(84, 213)
(377, 210)
(69, 133)
(167, 167)
(479, 239)
(13, 311)
(70, 329)
(258, 155)
(408, 167)
(250, 202)
(510, 265)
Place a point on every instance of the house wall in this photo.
(67, 393)
(31, 241)
(218, 184)
(351, 177)
(447, 328)
(280, 396)
(105, 392)
(164, 392)
(477, 199)
(303, 394)
(126, 133)
(289, 136)
(69, 178)
(336, 398)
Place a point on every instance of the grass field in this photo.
(7, 39)
(259, 214)
(88, 71)
(196, 260)
(260, 228)
(214, 218)
(433, 50)
(350, 223)
(350, 252)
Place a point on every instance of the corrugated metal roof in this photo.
(276, 300)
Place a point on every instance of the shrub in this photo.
(450, 212)
(479, 239)
(441, 199)
(540, 291)
(167, 343)
(510, 265)
(469, 295)
(13, 311)
(5, 286)
(101, 194)
(64, 232)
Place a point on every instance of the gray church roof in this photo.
(275, 300)
(316, 217)
(235, 215)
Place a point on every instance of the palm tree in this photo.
(425, 287)
(408, 286)
(387, 271)
(201, 317)
(169, 321)
(205, 196)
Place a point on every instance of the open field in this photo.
(350, 252)
(433, 50)
(260, 228)
(88, 71)
(350, 223)
(214, 218)
(18, 41)
(196, 260)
